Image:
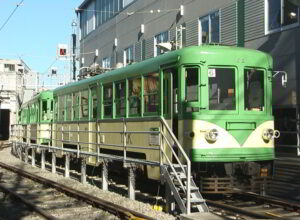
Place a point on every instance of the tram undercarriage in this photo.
(226, 178)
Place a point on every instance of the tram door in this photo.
(170, 97)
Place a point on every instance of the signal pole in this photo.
(74, 25)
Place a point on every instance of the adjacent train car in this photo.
(217, 100)
(35, 117)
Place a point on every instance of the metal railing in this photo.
(166, 152)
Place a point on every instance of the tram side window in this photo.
(69, 107)
(84, 104)
(192, 87)
(30, 114)
(254, 89)
(51, 110)
(191, 84)
(222, 88)
(61, 108)
(151, 99)
(120, 99)
(75, 106)
(107, 100)
(44, 110)
(33, 113)
(134, 96)
(55, 109)
(94, 102)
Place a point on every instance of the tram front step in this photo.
(192, 188)
(195, 201)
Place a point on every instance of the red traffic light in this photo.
(62, 52)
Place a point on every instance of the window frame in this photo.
(106, 63)
(237, 88)
(282, 27)
(192, 103)
(103, 103)
(81, 106)
(140, 96)
(157, 51)
(118, 100)
(125, 55)
(68, 109)
(75, 105)
(93, 90)
(208, 16)
(61, 109)
(148, 113)
(265, 89)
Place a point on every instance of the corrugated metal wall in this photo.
(172, 34)
(229, 25)
(254, 19)
(192, 35)
(149, 46)
(119, 57)
(138, 52)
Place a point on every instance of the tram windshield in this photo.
(254, 89)
(222, 88)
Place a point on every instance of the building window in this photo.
(106, 62)
(160, 38)
(127, 2)
(90, 17)
(9, 67)
(209, 28)
(281, 14)
(87, 20)
(128, 55)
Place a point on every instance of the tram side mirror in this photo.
(283, 77)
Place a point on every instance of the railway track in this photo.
(51, 200)
(245, 205)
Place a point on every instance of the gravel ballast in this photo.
(7, 158)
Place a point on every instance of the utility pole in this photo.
(74, 56)
(74, 26)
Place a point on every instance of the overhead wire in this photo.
(129, 13)
(6, 21)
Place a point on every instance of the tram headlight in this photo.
(269, 134)
(212, 135)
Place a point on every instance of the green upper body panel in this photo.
(30, 111)
(207, 54)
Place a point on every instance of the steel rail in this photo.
(122, 212)
(237, 210)
(272, 200)
(29, 204)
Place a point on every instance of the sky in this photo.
(34, 31)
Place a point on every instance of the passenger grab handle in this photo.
(283, 79)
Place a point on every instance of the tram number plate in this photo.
(154, 139)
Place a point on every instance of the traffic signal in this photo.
(62, 50)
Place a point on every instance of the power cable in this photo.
(17, 6)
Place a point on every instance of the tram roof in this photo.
(186, 55)
(41, 95)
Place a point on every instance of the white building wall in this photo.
(17, 85)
